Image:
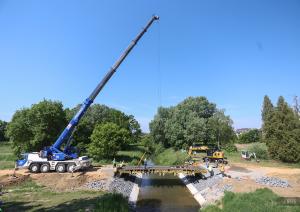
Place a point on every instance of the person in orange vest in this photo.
(222, 170)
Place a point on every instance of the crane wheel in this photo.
(45, 168)
(60, 168)
(34, 168)
(71, 167)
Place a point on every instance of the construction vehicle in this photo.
(247, 155)
(61, 156)
(195, 151)
(215, 155)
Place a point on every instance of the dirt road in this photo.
(57, 181)
(244, 176)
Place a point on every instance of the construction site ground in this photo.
(57, 181)
(243, 176)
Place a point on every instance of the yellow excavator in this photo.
(213, 154)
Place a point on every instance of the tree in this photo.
(282, 133)
(296, 106)
(107, 139)
(3, 125)
(33, 128)
(195, 120)
(100, 114)
(251, 136)
(266, 114)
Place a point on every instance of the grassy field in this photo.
(7, 158)
(170, 157)
(235, 157)
(258, 201)
(31, 197)
(130, 156)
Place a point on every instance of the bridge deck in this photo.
(189, 170)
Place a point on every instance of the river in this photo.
(165, 193)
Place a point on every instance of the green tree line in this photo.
(38, 126)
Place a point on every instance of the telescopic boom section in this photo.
(73, 123)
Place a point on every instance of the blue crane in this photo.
(54, 152)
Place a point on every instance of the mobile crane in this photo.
(66, 159)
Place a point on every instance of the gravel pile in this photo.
(119, 185)
(96, 185)
(272, 181)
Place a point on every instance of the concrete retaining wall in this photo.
(133, 197)
(194, 191)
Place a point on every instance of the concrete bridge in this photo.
(161, 170)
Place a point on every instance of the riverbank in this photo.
(206, 190)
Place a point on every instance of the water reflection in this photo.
(165, 193)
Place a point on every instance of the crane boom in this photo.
(55, 148)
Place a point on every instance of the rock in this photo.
(122, 186)
(118, 185)
(272, 181)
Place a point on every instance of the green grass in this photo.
(235, 157)
(31, 197)
(170, 157)
(7, 158)
(132, 155)
(259, 201)
(112, 202)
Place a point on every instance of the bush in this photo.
(260, 150)
(252, 136)
(230, 147)
(112, 202)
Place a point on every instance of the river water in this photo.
(165, 193)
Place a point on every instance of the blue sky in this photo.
(232, 52)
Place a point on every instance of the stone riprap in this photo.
(273, 181)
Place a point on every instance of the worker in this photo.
(114, 162)
(210, 169)
(206, 162)
(145, 163)
(222, 170)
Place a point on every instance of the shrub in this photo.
(252, 136)
(260, 150)
(230, 147)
